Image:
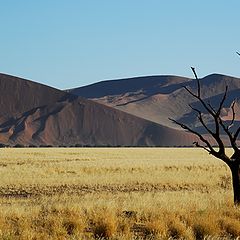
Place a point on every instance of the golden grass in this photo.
(115, 193)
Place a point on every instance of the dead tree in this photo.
(233, 162)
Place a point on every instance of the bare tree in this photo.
(233, 162)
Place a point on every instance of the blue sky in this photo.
(69, 43)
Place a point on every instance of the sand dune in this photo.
(40, 115)
(128, 112)
(157, 98)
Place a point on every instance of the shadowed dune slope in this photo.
(146, 85)
(157, 98)
(18, 95)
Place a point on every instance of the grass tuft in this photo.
(104, 225)
(230, 227)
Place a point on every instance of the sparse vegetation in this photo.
(109, 193)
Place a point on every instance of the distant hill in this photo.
(148, 85)
(35, 114)
(156, 98)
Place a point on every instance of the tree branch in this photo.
(218, 123)
(200, 146)
(201, 119)
(212, 108)
(219, 154)
(213, 113)
(198, 82)
(230, 136)
(236, 134)
(233, 115)
(195, 133)
(222, 102)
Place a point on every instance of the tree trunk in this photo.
(235, 169)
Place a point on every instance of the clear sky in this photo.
(70, 43)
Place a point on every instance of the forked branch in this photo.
(210, 150)
(219, 123)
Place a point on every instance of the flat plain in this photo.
(115, 193)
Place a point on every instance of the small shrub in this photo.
(179, 230)
(156, 227)
(204, 228)
(104, 226)
(73, 225)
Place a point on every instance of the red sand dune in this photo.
(39, 115)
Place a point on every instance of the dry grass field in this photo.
(115, 193)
